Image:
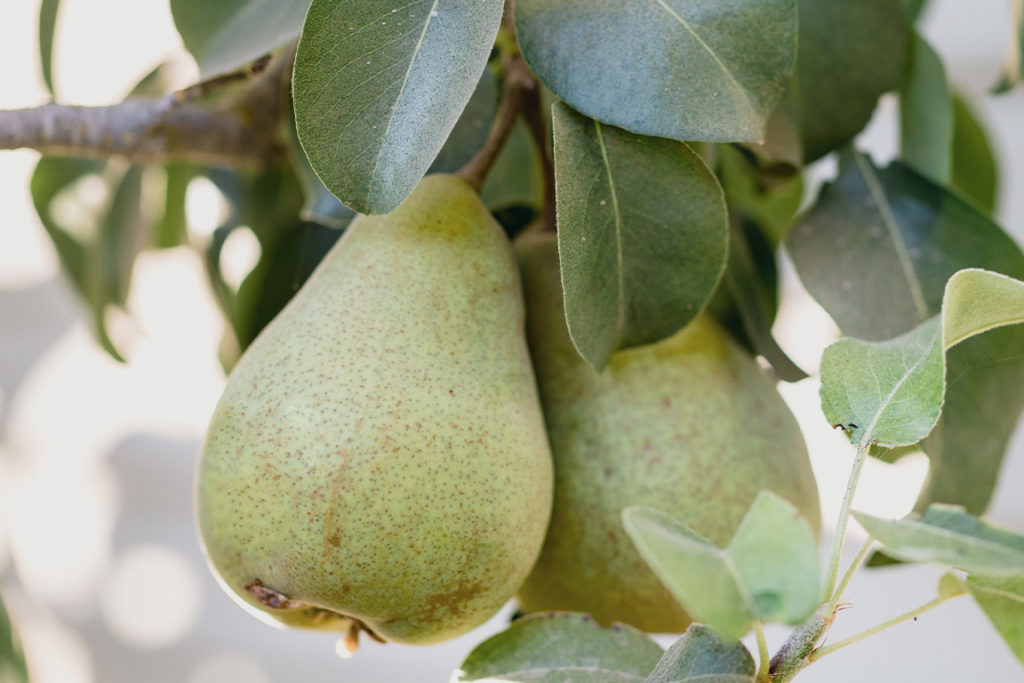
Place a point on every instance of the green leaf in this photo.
(926, 115)
(1002, 600)
(700, 656)
(227, 34)
(913, 8)
(879, 245)
(13, 668)
(96, 244)
(947, 535)
(48, 10)
(768, 572)
(517, 177)
(951, 585)
(683, 69)
(642, 234)
(561, 648)
(472, 128)
(172, 226)
(1014, 71)
(891, 393)
(975, 171)
(379, 85)
(860, 49)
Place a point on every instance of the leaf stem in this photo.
(518, 81)
(852, 569)
(844, 517)
(763, 658)
(822, 651)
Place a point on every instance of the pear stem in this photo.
(841, 524)
(906, 616)
(518, 81)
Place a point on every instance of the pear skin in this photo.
(689, 425)
(378, 460)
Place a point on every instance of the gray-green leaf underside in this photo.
(379, 85)
(768, 572)
(642, 234)
(700, 656)
(683, 69)
(227, 34)
(561, 648)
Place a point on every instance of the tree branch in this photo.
(239, 129)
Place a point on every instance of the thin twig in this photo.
(241, 129)
(534, 117)
(763, 658)
(844, 517)
(517, 81)
(907, 616)
(852, 569)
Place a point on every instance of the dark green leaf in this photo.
(771, 202)
(878, 247)
(947, 535)
(1002, 599)
(518, 175)
(700, 656)
(745, 288)
(975, 172)
(642, 234)
(48, 10)
(983, 402)
(472, 128)
(12, 660)
(379, 85)
(172, 229)
(562, 648)
(683, 69)
(926, 115)
(227, 34)
(913, 8)
(858, 48)
(768, 572)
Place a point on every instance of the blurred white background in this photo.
(99, 562)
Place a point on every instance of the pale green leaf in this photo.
(700, 656)
(947, 535)
(224, 35)
(378, 86)
(926, 115)
(561, 648)
(642, 234)
(768, 572)
(1002, 600)
(683, 69)
(891, 393)
(1013, 73)
(696, 572)
(951, 585)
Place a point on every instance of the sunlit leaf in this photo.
(1002, 600)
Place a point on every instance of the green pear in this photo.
(689, 425)
(378, 460)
